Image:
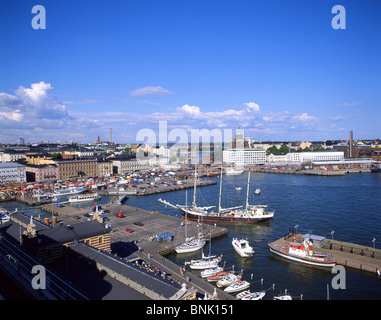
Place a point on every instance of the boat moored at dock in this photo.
(84, 197)
(242, 247)
(302, 252)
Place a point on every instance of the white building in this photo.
(12, 172)
(244, 156)
(315, 156)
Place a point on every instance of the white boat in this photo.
(303, 252)
(238, 188)
(237, 286)
(283, 297)
(218, 276)
(190, 245)
(231, 171)
(4, 215)
(248, 295)
(227, 280)
(207, 262)
(242, 247)
(84, 197)
(257, 191)
(211, 272)
(69, 191)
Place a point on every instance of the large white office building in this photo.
(315, 156)
(244, 156)
(12, 172)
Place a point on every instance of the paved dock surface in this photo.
(143, 237)
(345, 253)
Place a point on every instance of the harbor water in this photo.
(349, 205)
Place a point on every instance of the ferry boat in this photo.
(240, 214)
(242, 247)
(302, 252)
(69, 191)
(84, 197)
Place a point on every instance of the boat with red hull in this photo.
(303, 253)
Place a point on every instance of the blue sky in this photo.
(277, 69)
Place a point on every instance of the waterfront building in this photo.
(43, 172)
(104, 168)
(128, 165)
(358, 164)
(315, 156)
(244, 156)
(12, 172)
(48, 243)
(77, 168)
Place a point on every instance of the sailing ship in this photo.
(249, 214)
(242, 247)
(302, 252)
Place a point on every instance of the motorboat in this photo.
(238, 188)
(227, 280)
(257, 191)
(248, 295)
(237, 286)
(231, 171)
(211, 272)
(242, 247)
(4, 215)
(219, 275)
(84, 197)
(303, 252)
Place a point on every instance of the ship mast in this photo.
(248, 188)
(195, 184)
(219, 200)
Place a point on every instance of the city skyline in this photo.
(278, 70)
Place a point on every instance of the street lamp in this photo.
(332, 232)
(296, 229)
(374, 243)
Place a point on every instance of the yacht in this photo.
(69, 191)
(242, 247)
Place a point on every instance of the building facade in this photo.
(12, 172)
(77, 168)
(38, 173)
(244, 156)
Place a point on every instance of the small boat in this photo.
(4, 215)
(257, 191)
(233, 171)
(242, 247)
(84, 197)
(227, 280)
(248, 295)
(238, 285)
(211, 272)
(283, 297)
(207, 262)
(218, 276)
(238, 188)
(191, 245)
(302, 252)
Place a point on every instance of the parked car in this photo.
(120, 215)
(138, 223)
(129, 230)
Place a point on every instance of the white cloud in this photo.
(150, 91)
(304, 117)
(251, 106)
(350, 104)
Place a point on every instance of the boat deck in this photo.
(347, 254)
